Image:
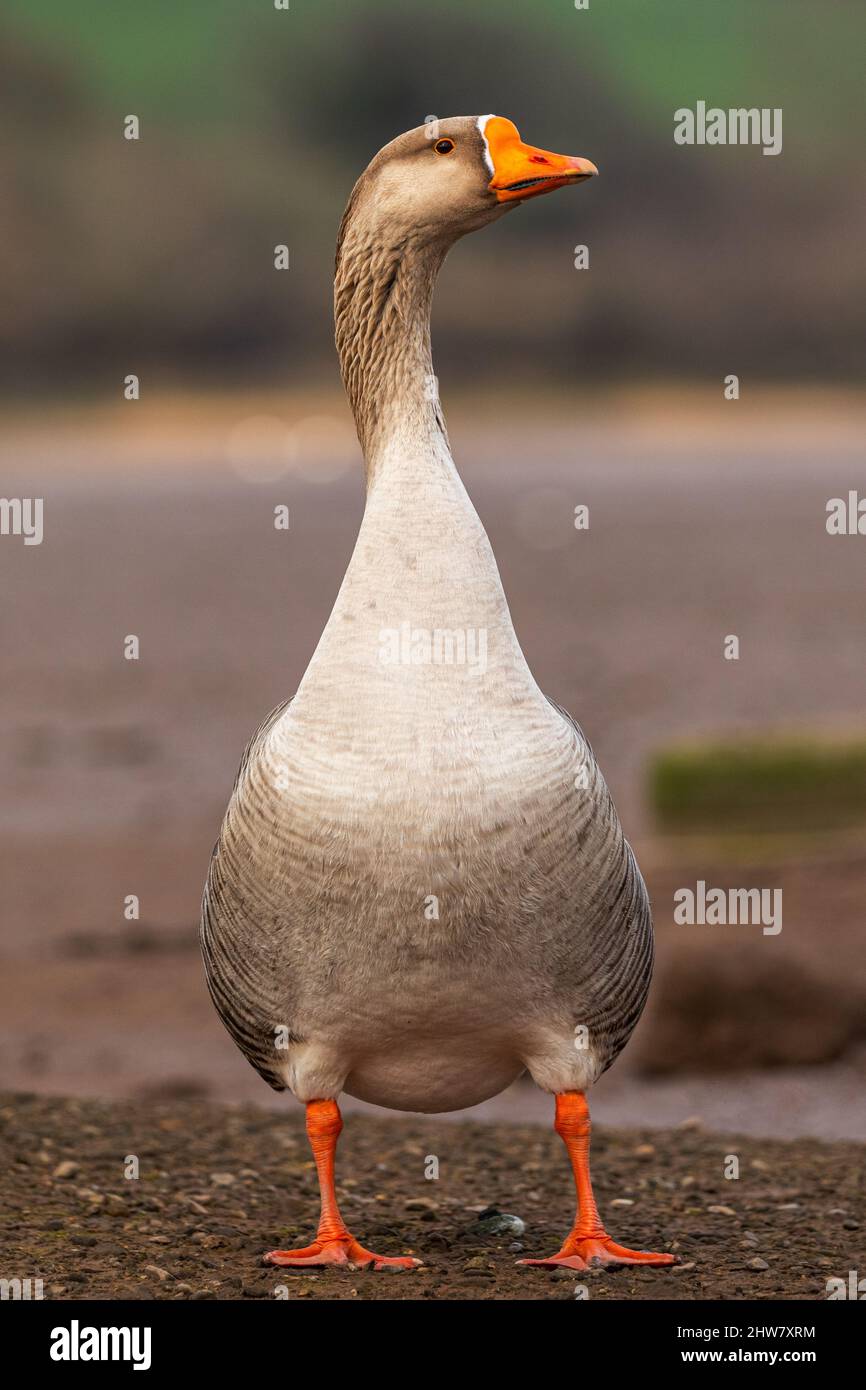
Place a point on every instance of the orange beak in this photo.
(521, 171)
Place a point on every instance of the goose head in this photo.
(417, 196)
(449, 177)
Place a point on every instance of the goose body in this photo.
(421, 887)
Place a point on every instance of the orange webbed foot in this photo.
(344, 1250)
(582, 1252)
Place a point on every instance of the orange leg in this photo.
(333, 1244)
(588, 1242)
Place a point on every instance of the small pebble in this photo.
(89, 1194)
(757, 1263)
(501, 1223)
(66, 1169)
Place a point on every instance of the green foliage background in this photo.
(255, 123)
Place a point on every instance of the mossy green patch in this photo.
(770, 784)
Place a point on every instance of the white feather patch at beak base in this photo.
(482, 125)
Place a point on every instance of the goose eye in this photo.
(444, 146)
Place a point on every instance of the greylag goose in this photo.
(421, 888)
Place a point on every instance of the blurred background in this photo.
(602, 387)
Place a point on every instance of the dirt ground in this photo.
(218, 1186)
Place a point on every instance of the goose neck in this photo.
(383, 291)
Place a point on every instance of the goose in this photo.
(421, 889)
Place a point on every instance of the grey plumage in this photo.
(421, 886)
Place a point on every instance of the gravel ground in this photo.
(216, 1187)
